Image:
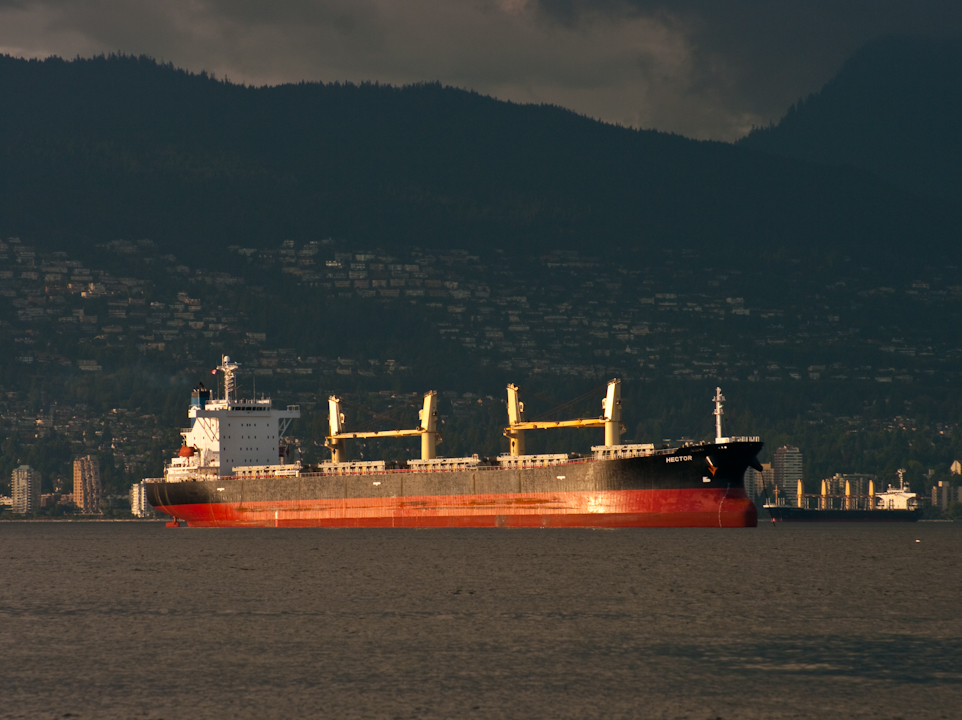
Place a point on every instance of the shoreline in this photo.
(81, 520)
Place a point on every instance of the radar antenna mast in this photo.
(230, 386)
(719, 399)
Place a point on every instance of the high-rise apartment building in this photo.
(26, 489)
(941, 495)
(86, 484)
(768, 479)
(761, 485)
(139, 506)
(787, 471)
(751, 482)
(754, 484)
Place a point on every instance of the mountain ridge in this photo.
(892, 109)
(125, 147)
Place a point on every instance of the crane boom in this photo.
(377, 434)
(428, 429)
(546, 424)
(610, 420)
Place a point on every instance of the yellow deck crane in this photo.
(610, 420)
(427, 430)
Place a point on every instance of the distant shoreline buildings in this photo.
(25, 483)
(786, 472)
(778, 481)
(942, 495)
(87, 492)
(139, 507)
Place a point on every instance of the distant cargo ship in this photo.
(228, 474)
(893, 505)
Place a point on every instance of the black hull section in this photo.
(793, 514)
(687, 468)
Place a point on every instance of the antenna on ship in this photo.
(228, 368)
(719, 399)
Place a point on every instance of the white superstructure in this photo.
(227, 435)
(896, 498)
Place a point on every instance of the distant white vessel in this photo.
(897, 498)
(893, 505)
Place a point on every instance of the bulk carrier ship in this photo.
(893, 505)
(230, 473)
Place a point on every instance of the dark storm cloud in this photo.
(700, 68)
(762, 55)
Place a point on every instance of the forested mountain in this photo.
(376, 242)
(125, 147)
(893, 109)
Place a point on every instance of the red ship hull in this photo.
(698, 507)
(693, 486)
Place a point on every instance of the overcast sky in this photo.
(701, 68)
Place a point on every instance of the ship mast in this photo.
(719, 399)
(228, 368)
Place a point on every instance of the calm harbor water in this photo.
(125, 620)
